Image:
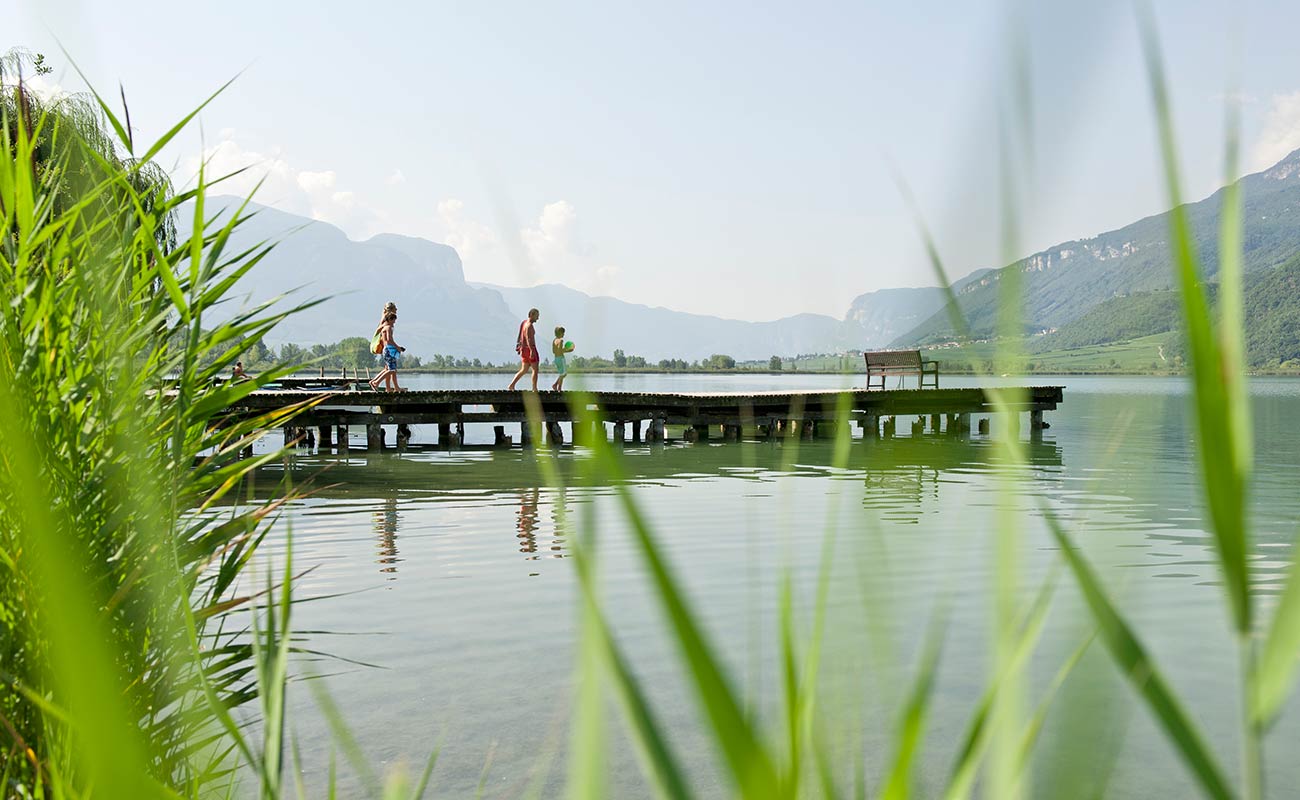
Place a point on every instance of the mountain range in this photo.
(1062, 283)
(443, 313)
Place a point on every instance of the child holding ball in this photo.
(558, 348)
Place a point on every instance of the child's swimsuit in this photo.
(559, 365)
(391, 354)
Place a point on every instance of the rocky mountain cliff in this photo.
(601, 324)
(442, 313)
(1063, 282)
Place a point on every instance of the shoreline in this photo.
(739, 371)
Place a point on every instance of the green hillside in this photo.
(1063, 283)
(1115, 320)
(1142, 332)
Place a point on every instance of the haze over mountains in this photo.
(1063, 282)
(442, 313)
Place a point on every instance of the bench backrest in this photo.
(897, 359)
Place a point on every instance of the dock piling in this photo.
(374, 437)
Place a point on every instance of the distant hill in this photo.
(884, 315)
(1271, 306)
(1063, 282)
(443, 314)
(601, 324)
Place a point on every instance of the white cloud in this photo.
(549, 250)
(315, 181)
(471, 238)
(44, 88)
(308, 193)
(1280, 134)
(396, 178)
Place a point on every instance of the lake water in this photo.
(448, 573)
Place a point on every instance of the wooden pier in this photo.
(647, 416)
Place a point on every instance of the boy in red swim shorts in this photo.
(526, 347)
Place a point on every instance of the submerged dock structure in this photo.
(647, 416)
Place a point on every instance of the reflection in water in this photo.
(526, 520)
(385, 522)
(914, 520)
(529, 528)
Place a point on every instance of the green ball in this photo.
(568, 345)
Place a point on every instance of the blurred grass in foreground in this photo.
(114, 558)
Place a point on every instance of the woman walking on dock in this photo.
(526, 347)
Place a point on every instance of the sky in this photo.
(747, 160)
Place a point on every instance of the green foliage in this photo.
(118, 583)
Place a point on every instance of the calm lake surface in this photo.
(448, 573)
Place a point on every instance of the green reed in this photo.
(124, 652)
(114, 556)
(758, 769)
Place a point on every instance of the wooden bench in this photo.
(883, 363)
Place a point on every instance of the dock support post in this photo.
(325, 438)
(499, 438)
(656, 430)
(525, 434)
(870, 426)
(935, 421)
(891, 425)
(403, 436)
(290, 433)
(983, 426)
(806, 430)
(918, 426)
(731, 433)
(963, 424)
(554, 433)
(824, 428)
(444, 434)
(374, 437)
(341, 434)
(636, 431)
(701, 431)
(1036, 425)
(620, 432)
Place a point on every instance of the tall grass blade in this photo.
(750, 764)
(1281, 649)
(1223, 473)
(912, 723)
(1136, 665)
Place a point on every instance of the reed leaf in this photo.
(1140, 670)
